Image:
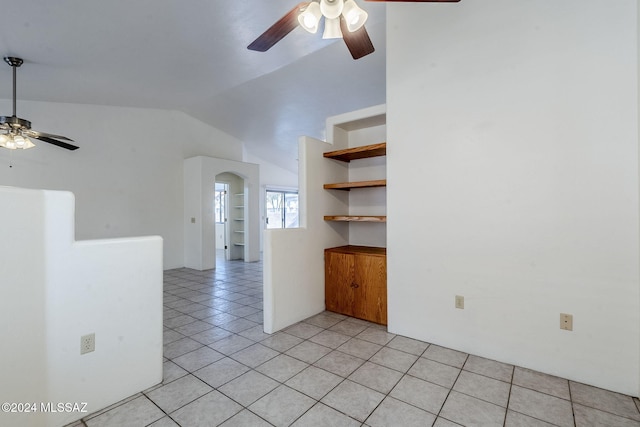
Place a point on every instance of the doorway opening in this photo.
(221, 215)
(230, 203)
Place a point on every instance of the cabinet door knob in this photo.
(355, 285)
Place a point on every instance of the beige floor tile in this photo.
(139, 411)
(420, 393)
(339, 363)
(282, 406)
(322, 416)
(353, 399)
(469, 411)
(604, 400)
(589, 417)
(394, 359)
(558, 387)
(393, 413)
(314, 382)
(484, 388)
(178, 393)
(375, 376)
(445, 355)
(489, 368)
(211, 409)
(541, 406)
(434, 372)
(248, 387)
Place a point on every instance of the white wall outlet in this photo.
(459, 301)
(566, 321)
(87, 343)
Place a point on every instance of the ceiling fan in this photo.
(15, 132)
(343, 19)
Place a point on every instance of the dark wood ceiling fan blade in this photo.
(277, 31)
(35, 134)
(55, 142)
(419, 1)
(358, 42)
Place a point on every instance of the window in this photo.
(219, 208)
(282, 209)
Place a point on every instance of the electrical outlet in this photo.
(566, 321)
(87, 343)
(459, 301)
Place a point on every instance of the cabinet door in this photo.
(370, 301)
(339, 282)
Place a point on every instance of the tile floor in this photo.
(330, 370)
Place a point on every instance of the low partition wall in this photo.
(53, 291)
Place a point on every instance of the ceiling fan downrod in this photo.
(15, 63)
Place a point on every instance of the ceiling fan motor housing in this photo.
(15, 122)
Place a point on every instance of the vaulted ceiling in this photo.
(191, 56)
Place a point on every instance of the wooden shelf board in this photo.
(346, 186)
(356, 218)
(353, 249)
(362, 152)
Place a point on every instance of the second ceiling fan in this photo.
(342, 19)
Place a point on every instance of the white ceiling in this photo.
(191, 56)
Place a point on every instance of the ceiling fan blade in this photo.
(35, 134)
(358, 42)
(277, 31)
(419, 1)
(55, 142)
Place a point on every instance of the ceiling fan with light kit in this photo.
(342, 19)
(15, 133)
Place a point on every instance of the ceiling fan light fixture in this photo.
(354, 16)
(309, 19)
(332, 29)
(331, 9)
(15, 142)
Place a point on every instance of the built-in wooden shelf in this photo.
(359, 184)
(356, 218)
(353, 249)
(362, 152)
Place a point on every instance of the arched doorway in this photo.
(200, 175)
(230, 215)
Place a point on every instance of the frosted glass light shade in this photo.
(15, 142)
(27, 143)
(354, 16)
(331, 9)
(332, 29)
(310, 18)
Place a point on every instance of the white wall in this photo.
(53, 290)
(513, 181)
(128, 173)
(293, 275)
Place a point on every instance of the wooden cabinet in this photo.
(356, 282)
